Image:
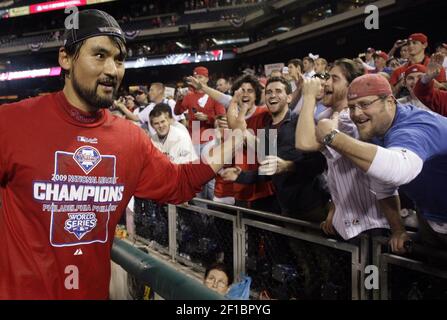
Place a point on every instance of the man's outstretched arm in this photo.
(163, 181)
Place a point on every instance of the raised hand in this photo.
(435, 65)
(312, 87)
(193, 82)
(236, 116)
(325, 126)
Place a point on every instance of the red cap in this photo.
(382, 55)
(202, 71)
(369, 85)
(422, 38)
(415, 68)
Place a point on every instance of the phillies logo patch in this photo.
(87, 158)
(80, 224)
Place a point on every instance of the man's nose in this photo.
(110, 68)
(357, 111)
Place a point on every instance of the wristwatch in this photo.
(327, 140)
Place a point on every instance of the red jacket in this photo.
(433, 98)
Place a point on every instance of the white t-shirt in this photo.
(177, 146)
(309, 75)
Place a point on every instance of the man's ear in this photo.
(65, 61)
(289, 98)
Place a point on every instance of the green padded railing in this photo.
(167, 282)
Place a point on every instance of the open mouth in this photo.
(361, 121)
(273, 102)
(245, 99)
(108, 85)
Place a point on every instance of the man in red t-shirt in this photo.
(417, 43)
(201, 108)
(260, 195)
(69, 168)
(424, 90)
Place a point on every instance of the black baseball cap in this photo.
(93, 23)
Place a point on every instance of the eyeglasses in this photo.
(219, 284)
(363, 105)
(322, 76)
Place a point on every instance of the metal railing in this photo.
(247, 223)
(385, 261)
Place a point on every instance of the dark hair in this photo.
(282, 80)
(309, 59)
(297, 63)
(159, 109)
(349, 68)
(254, 83)
(221, 267)
(74, 49)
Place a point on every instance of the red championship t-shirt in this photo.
(65, 179)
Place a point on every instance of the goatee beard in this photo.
(91, 97)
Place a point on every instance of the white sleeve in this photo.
(180, 117)
(395, 166)
(225, 100)
(382, 190)
(144, 115)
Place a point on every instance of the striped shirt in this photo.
(356, 206)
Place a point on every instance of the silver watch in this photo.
(327, 140)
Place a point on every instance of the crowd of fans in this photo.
(328, 142)
(294, 177)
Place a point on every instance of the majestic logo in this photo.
(87, 158)
(80, 224)
(87, 140)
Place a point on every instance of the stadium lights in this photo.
(282, 29)
(142, 62)
(27, 74)
(230, 41)
(46, 6)
(183, 46)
